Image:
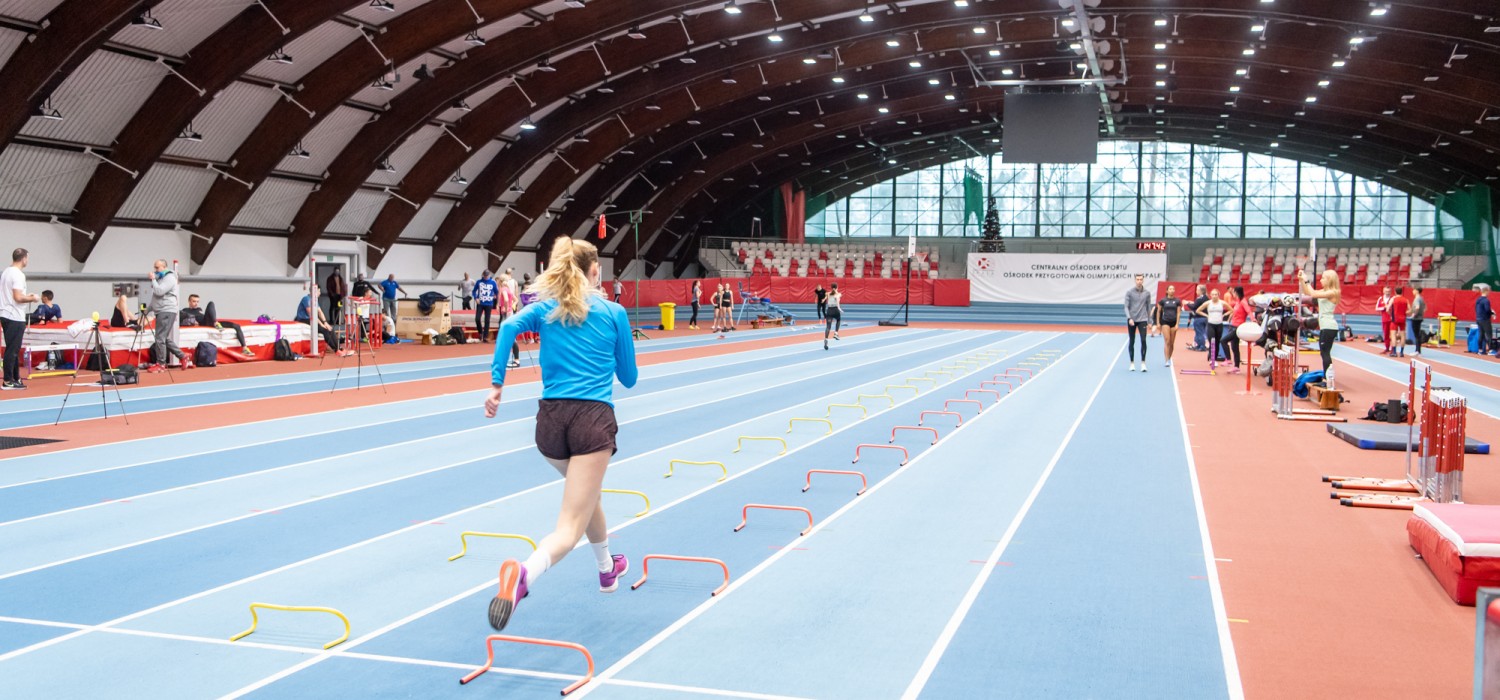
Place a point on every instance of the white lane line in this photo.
(680, 623)
(753, 389)
(929, 664)
(1221, 618)
(1405, 368)
(529, 387)
(487, 583)
(490, 583)
(385, 658)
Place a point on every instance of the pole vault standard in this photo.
(635, 225)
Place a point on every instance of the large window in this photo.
(1138, 189)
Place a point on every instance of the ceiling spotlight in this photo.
(46, 111)
(145, 21)
(731, 8)
(635, 33)
(1357, 39)
(949, 97)
(280, 56)
(687, 59)
(979, 30)
(1323, 83)
(581, 138)
(1275, 144)
(1249, 51)
(473, 39)
(1339, 63)
(1160, 22)
(459, 179)
(960, 3)
(188, 134)
(884, 110)
(892, 161)
(1232, 88)
(517, 188)
(773, 38)
(605, 89)
(763, 98)
(994, 52)
(838, 78)
(1161, 66)
(653, 107)
(809, 59)
(526, 124)
(866, 16)
(422, 73)
(1007, 72)
(934, 81)
(574, 4)
(1068, 23)
(462, 106)
(893, 42)
(545, 66)
(1163, 83)
(382, 5)
(1379, 10)
(382, 84)
(385, 166)
(299, 152)
(1311, 98)
(1258, 27)
(1160, 46)
(728, 79)
(1430, 79)
(863, 96)
(914, 64)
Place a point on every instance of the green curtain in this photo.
(1476, 223)
(973, 197)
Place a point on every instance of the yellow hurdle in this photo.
(740, 443)
(792, 423)
(862, 412)
(922, 379)
(938, 371)
(464, 538)
(632, 493)
(255, 620)
(888, 387)
(673, 465)
(1029, 364)
(861, 398)
(954, 368)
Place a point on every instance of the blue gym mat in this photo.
(1389, 436)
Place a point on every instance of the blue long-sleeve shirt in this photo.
(1482, 309)
(578, 362)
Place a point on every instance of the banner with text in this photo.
(1047, 278)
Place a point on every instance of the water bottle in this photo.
(1328, 379)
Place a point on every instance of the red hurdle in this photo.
(646, 567)
(861, 446)
(1008, 387)
(950, 402)
(996, 394)
(863, 482)
(915, 427)
(745, 515)
(955, 414)
(489, 643)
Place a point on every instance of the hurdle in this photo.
(463, 538)
(1283, 379)
(863, 413)
(1028, 372)
(745, 515)
(1008, 387)
(792, 423)
(864, 483)
(740, 443)
(1438, 420)
(938, 371)
(646, 569)
(904, 455)
(672, 465)
(888, 388)
(914, 427)
(996, 394)
(860, 399)
(955, 414)
(922, 379)
(1030, 364)
(255, 619)
(489, 644)
(954, 368)
(632, 493)
(947, 404)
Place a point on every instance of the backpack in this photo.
(206, 354)
(457, 334)
(282, 351)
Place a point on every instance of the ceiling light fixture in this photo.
(527, 125)
(382, 5)
(187, 134)
(46, 111)
(635, 33)
(280, 56)
(299, 152)
(473, 39)
(773, 38)
(144, 20)
(731, 8)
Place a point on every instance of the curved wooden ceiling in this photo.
(502, 121)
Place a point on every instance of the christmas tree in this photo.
(992, 243)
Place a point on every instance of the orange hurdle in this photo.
(489, 643)
(955, 414)
(861, 446)
(982, 391)
(745, 515)
(646, 569)
(914, 427)
(863, 482)
(949, 402)
(1008, 387)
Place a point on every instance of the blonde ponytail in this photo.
(566, 280)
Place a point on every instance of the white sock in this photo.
(536, 565)
(602, 557)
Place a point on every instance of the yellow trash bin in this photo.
(668, 315)
(1447, 328)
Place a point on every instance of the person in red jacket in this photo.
(1383, 307)
(1397, 313)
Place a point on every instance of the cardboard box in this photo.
(410, 323)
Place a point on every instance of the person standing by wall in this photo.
(697, 295)
(822, 299)
(1137, 318)
(337, 290)
(1482, 316)
(1383, 307)
(1167, 311)
(619, 290)
(486, 295)
(388, 297)
(164, 307)
(466, 291)
(713, 301)
(1398, 308)
(13, 315)
(1417, 314)
(1200, 324)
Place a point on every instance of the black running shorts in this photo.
(567, 427)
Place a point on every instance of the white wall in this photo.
(245, 276)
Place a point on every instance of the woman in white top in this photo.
(1328, 328)
(1215, 310)
(833, 316)
(13, 316)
